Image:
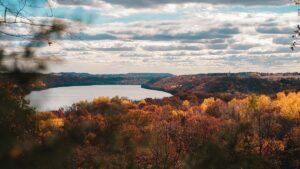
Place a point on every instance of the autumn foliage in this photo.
(253, 132)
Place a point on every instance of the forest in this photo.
(253, 132)
(52, 80)
(227, 86)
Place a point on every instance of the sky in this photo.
(170, 36)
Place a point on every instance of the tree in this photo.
(288, 105)
(21, 144)
(15, 12)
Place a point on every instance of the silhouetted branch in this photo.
(19, 17)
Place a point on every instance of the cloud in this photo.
(217, 46)
(88, 37)
(282, 40)
(195, 40)
(171, 48)
(214, 33)
(274, 30)
(95, 3)
(242, 46)
(116, 49)
(154, 3)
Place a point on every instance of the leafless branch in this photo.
(19, 17)
(21, 9)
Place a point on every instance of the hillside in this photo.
(226, 86)
(83, 79)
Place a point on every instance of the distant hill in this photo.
(83, 79)
(226, 86)
(222, 85)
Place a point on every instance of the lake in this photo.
(62, 97)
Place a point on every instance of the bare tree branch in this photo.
(21, 9)
(19, 17)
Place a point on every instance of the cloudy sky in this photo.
(174, 36)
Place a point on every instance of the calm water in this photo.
(55, 98)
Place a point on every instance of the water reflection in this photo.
(55, 98)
